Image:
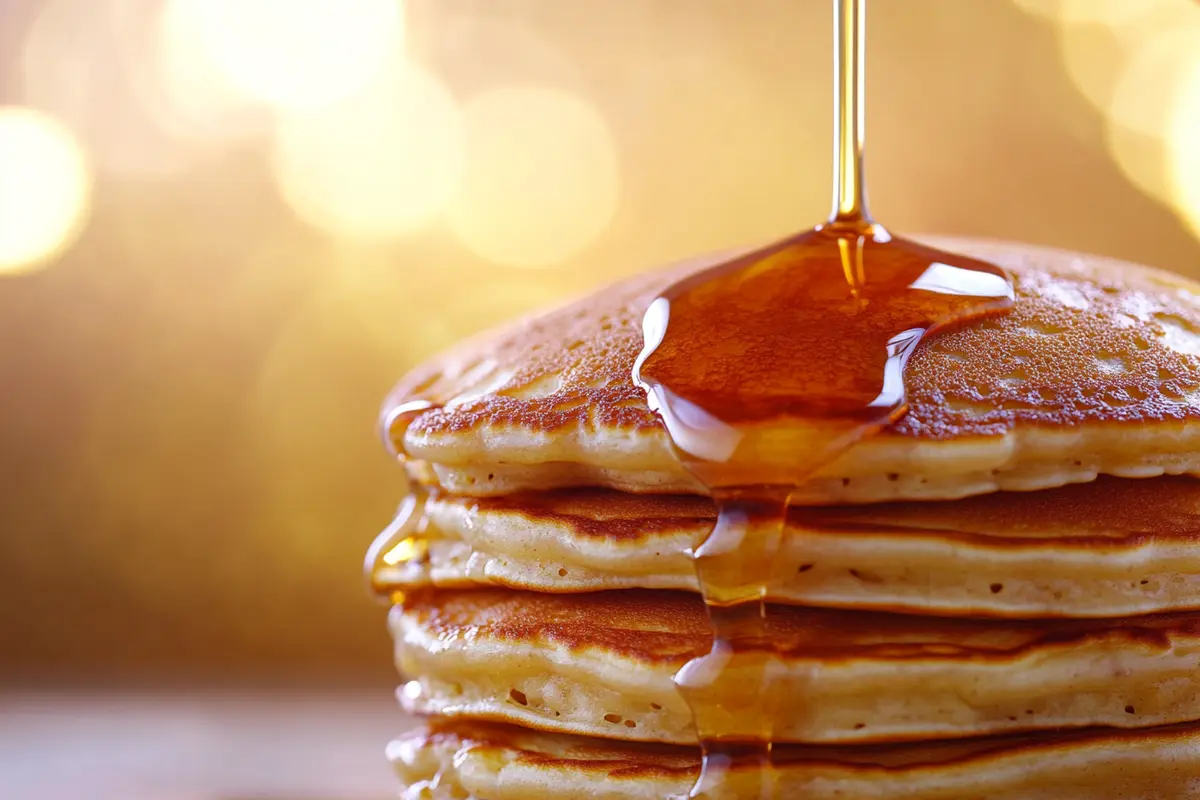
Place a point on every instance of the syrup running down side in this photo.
(403, 541)
(767, 368)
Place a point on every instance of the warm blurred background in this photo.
(227, 226)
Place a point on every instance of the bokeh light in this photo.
(89, 65)
(475, 50)
(273, 242)
(1183, 145)
(1110, 13)
(1050, 9)
(1141, 159)
(542, 177)
(1093, 56)
(1144, 97)
(1098, 38)
(45, 186)
(377, 165)
(1135, 62)
(296, 54)
(197, 101)
(1149, 80)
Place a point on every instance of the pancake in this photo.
(1095, 371)
(1115, 547)
(602, 664)
(489, 762)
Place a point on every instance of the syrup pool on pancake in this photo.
(768, 367)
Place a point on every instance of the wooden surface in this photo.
(197, 745)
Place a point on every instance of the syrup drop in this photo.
(768, 368)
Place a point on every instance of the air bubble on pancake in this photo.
(468, 370)
(1184, 394)
(1040, 328)
(1112, 363)
(1179, 334)
(1068, 295)
(1014, 379)
(967, 408)
(1046, 394)
(944, 350)
(544, 387)
(483, 382)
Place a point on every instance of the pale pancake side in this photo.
(491, 762)
(602, 665)
(1094, 371)
(1114, 547)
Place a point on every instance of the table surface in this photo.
(197, 745)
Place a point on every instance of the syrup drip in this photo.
(402, 542)
(768, 368)
(398, 414)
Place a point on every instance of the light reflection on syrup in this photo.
(402, 542)
(396, 417)
(766, 369)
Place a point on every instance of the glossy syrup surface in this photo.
(764, 370)
(402, 542)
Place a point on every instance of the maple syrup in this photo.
(769, 367)
(404, 542)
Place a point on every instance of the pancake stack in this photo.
(994, 598)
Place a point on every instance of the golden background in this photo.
(227, 226)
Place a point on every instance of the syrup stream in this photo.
(766, 370)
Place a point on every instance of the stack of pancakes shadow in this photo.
(997, 598)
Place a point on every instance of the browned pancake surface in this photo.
(659, 626)
(630, 759)
(1089, 340)
(501, 763)
(1105, 513)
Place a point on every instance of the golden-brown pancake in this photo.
(602, 665)
(1020, 612)
(1095, 371)
(493, 762)
(1114, 547)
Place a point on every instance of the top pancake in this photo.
(1094, 371)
